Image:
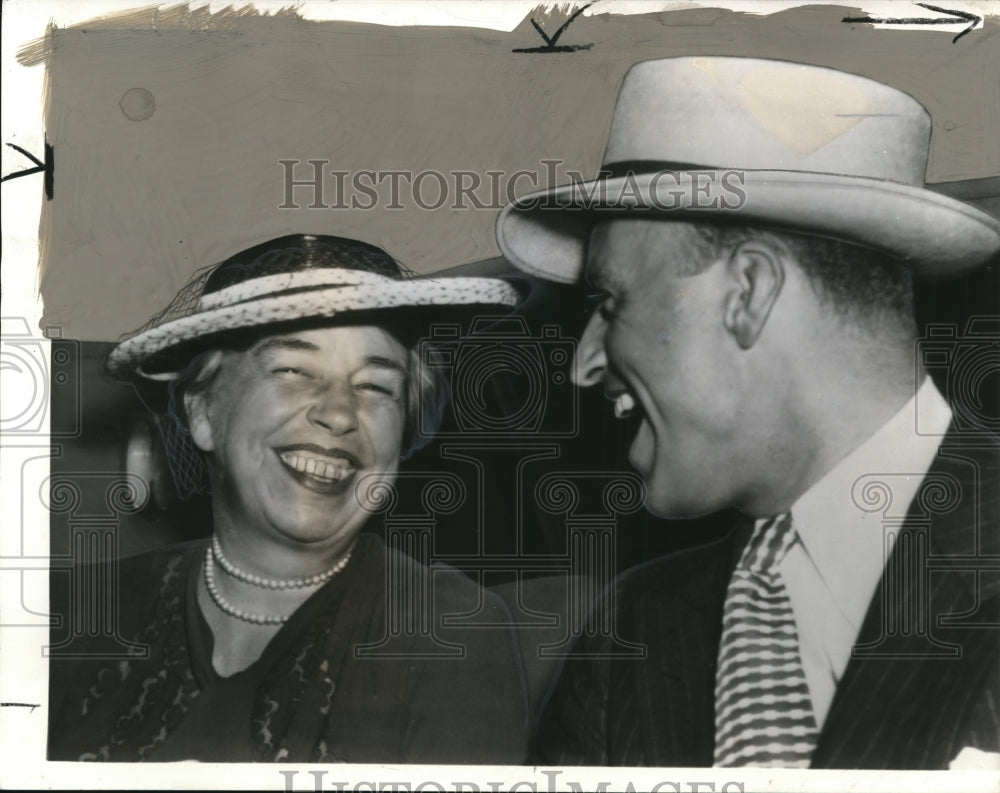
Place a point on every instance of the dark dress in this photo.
(332, 685)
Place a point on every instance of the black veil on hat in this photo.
(299, 278)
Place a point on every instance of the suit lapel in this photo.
(906, 672)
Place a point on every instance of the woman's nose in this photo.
(334, 409)
(590, 361)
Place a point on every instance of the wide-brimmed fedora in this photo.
(764, 142)
(298, 278)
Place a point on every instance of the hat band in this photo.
(623, 168)
(288, 282)
(615, 170)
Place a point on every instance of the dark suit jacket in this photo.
(923, 681)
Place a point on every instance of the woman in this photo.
(292, 370)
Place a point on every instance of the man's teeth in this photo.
(321, 469)
(624, 405)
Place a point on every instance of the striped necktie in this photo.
(763, 711)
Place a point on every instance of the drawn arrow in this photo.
(31, 705)
(550, 41)
(40, 167)
(958, 17)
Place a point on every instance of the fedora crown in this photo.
(754, 114)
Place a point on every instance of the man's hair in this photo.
(427, 395)
(858, 283)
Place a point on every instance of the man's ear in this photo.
(756, 272)
(199, 423)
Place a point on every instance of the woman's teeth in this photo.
(321, 469)
(624, 405)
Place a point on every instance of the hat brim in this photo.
(160, 352)
(545, 233)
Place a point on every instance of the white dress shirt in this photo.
(831, 575)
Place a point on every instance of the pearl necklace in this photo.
(240, 614)
(275, 583)
(227, 607)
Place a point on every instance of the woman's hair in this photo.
(427, 394)
(187, 462)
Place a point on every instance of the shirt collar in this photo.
(846, 544)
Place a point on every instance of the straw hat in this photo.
(786, 145)
(291, 279)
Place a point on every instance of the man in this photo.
(752, 249)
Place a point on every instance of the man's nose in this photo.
(590, 361)
(334, 409)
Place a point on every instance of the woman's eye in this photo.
(289, 371)
(377, 388)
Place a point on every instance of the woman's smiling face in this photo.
(292, 425)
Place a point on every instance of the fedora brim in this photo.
(545, 233)
(159, 352)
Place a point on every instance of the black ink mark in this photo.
(962, 16)
(20, 704)
(564, 48)
(550, 41)
(47, 167)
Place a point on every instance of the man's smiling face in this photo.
(292, 425)
(659, 345)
